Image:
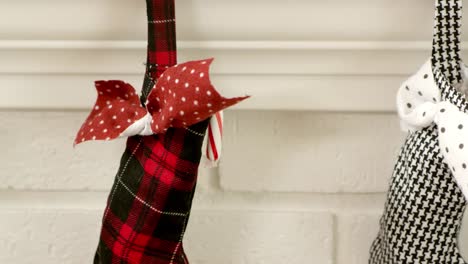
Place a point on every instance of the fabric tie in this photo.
(419, 106)
(182, 96)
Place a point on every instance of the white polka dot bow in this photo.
(419, 106)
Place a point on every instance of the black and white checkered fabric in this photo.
(424, 207)
(446, 40)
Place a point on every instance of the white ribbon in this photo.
(419, 105)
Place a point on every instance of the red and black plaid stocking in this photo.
(150, 201)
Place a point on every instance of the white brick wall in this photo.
(294, 187)
(302, 186)
(294, 151)
(323, 210)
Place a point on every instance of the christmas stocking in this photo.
(149, 204)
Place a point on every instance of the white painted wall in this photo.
(306, 161)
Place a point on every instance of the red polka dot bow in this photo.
(182, 96)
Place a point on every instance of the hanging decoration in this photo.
(149, 205)
(427, 197)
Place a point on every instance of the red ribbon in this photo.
(182, 96)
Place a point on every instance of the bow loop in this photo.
(184, 96)
(417, 99)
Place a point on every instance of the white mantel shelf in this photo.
(307, 55)
(220, 45)
(280, 75)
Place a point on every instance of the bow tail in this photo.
(452, 125)
(458, 170)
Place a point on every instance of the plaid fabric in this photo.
(149, 204)
(162, 46)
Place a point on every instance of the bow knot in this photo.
(182, 96)
(420, 105)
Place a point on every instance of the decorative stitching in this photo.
(146, 91)
(151, 65)
(179, 243)
(119, 176)
(147, 204)
(195, 132)
(161, 21)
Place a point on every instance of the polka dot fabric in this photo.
(417, 99)
(419, 106)
(183, 96)
(116, 108)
